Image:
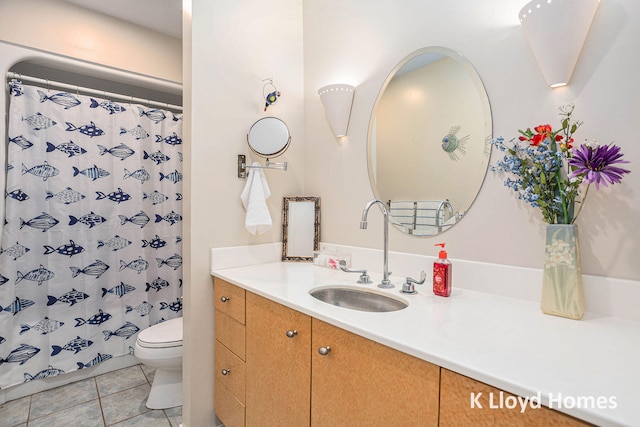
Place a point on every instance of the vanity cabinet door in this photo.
(466, 402)
(362, 383)
(278, 364)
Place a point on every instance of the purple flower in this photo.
(596, 164)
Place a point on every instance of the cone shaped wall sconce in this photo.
(556, 31)
(336, 100)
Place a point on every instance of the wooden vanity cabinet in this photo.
(230, 366)
(359, 382)
(278, 364)
(456, 409)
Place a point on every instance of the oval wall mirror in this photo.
(429, 141)
(269, 137)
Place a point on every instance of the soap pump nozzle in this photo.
(443, 253)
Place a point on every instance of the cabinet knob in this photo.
(324, 350)
(225, 372)
(224, 299)
(291, 334)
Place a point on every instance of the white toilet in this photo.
(160, 346)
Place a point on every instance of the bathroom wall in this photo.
(360, 41)
(66, 29)
(231, 47)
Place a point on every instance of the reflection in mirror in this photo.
(429, 141)
(269, 137)
(300, 228)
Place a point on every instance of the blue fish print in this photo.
(120, 290)
(171, 139)
(42, 222)
(125, 331)
(3, 279)
(18, 195)
(44, 326)
(156, 243)
(17, 306)
(66, 196)
(15, 251)
(64, 99)
(72, 297)
(21, 142)
(174, 261)
(137, 132)
(4, 340)
(90, 130)
(143, 309)
(141, 219)
(91, 219)
(120, 151)
(39, 275)
(15, 88)
(140, 174)
(95, 361)
(157, 284)
(75, 345)
(177, 118)
(110, 106)
(138, 265)
(155, 197)
(174, 176)
(118, 196)
(69, 148)
(94, 269)
(154, 115)
(71, 249)
(171, 217)
(157, 157)
(97, 319)
(174, 306)
(115, 243)
(94, 172)
(39, 121)
(44, 171)
(178, 196)
(45, 373)
(21, 354)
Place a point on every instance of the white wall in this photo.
(234, 45)
(360, 41)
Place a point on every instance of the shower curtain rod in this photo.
(104, 94)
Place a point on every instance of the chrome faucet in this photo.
(385, 283)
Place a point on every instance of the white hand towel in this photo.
(254, 199)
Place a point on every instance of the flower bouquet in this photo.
(548, 172)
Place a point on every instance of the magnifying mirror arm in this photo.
(243, 166)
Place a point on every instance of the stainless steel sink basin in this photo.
(357, 299)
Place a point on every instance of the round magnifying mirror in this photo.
(429, 141)
(269, 137)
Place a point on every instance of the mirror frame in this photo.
(473, 73)
(277, 152)
(288, 222)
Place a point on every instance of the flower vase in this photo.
(562, 293)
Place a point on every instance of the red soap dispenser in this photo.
(442, 273)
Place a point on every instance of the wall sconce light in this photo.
(336, 100)
(556, 31)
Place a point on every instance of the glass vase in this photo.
(562, 293)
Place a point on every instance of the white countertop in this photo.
(504, 342)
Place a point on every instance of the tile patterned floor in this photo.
(113, 399)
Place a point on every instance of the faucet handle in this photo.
(364, 277)
(408, 286)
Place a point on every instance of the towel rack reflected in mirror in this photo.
(268, 137)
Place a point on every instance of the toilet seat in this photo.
(162, 335)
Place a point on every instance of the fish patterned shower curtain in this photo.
(91, 248)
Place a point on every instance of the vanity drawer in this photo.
(229, 409)
(229, 299)
(231, 333)
(230, 371)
